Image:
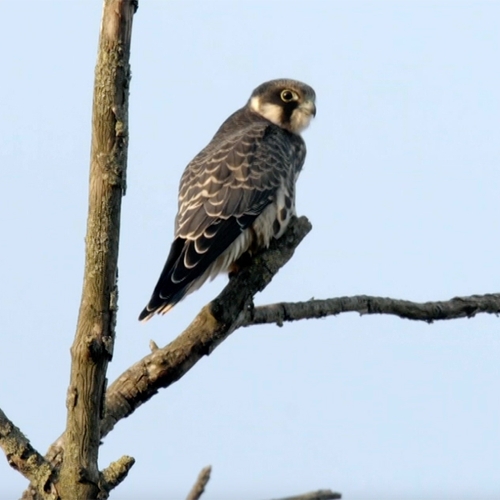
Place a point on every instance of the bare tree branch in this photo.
(458, 307)
(316, 495)
(199, 487)
(24, 458)
(93, 345)
(166, 365)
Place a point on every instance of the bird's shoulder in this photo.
(245, 137)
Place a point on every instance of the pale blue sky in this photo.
(401, 184)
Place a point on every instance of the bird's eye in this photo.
(288, 95)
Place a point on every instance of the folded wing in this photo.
(222, 192)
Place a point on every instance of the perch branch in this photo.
(199, 487)
(458, 307)
(212, 325)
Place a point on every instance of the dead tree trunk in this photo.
(93, 344)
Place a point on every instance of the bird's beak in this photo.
(302, 116)
(309, 107)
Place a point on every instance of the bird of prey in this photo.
(239, 192)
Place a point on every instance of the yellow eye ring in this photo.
(288, 95)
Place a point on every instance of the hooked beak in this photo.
(309, 107)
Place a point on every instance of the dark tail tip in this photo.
(145, 315)
(161, 306)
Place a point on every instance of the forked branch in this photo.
(213, 324)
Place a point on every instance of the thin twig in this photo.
(116, 472)
(199, 487)
(316, 495)
(458, 307)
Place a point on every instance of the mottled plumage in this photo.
(238, 192)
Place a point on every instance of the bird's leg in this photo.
(237, 265)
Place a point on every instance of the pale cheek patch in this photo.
(299, 120)
(271, 112)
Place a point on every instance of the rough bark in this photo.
(24, 458)
(115, 473)
(93, 344)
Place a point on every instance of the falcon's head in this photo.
(287, 103)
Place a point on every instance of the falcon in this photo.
(239, 192)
